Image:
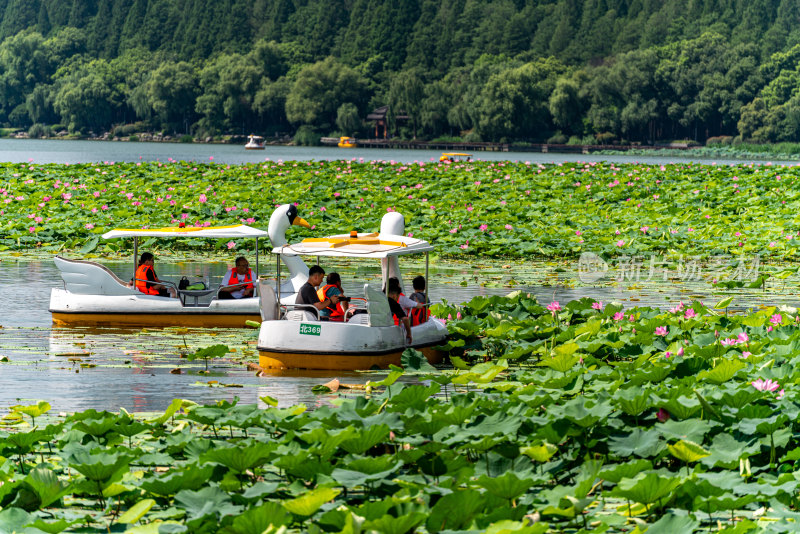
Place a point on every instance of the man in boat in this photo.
(146, 280)
(308, 292)
(400, 317)
(333, 286)
(241, 274)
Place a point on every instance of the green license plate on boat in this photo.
(310, 329)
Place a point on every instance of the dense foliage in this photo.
(583, 418)
(485, 70)
(491, 209)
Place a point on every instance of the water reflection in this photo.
(105, 368)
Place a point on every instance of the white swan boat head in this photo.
(295, 337)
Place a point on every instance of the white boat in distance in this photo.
(255, 142)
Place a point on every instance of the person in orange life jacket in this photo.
(307, 294)
(393, 293)
(146, 280)
(333, 286)
(419, 314)
(240, 274)
(406, 303)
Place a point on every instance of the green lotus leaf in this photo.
(396, 525)
(46, 485)
(307, 504)
(209, 502)
(646, 488)
(671, 523)
(53, 527)
(455, 511)
(642, 443)
(259, 520)
(177, 479)
(100, 466)
(365, 439)
(137, 511)
(616, 472)
(540, 453)
(507, 487)
(633, 401)
(725, 369)
(687, 451)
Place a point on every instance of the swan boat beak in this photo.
(299, 221)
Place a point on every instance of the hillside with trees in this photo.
(478, 70)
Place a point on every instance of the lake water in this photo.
(81, 368)
(62, 151)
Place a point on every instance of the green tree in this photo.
(320, 89)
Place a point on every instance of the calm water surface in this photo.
(81, 368)
(54, 151)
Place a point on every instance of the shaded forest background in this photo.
(478, 70)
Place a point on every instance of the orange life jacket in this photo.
(234, 279)
(396, 318)
(336, 311)
(141, 283)
(417, 316)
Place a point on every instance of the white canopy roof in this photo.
(234, 231)
(359, 246)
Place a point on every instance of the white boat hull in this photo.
(94, 296)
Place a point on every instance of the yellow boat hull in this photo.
(337, 361)
(154, 320)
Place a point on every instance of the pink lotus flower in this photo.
(690, 313)
(203, 198)
(619, 316)
(776, 319)
(677, 309)
(231, 245)
(620, 243)
(680, 352)
(509, 227)
(746, 354)
(553, 307)
(662, 415)
(742, 338)
(765, 385)
(337, 194)
(577, 232)
(728, 342)
(89, 226)
(597, 305)
(661, 330)
(483, 227)
(780, 394)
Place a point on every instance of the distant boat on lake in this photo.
(255, 142)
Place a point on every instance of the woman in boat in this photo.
(400, 317)
(241, 274)
(409, 305)
(333, 286)
(146, 280)
(419, 314)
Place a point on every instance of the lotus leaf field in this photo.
(577, 418)
(487, 209)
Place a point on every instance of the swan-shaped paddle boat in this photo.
(293, 337)
(94, 296)
(255, 142)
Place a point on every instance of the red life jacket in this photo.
(141, 283)
(336, 311)
(234, 279)
(417, 316)
(397, 319)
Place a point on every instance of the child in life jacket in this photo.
(419, 314)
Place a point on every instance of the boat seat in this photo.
(267, 301)
(300, 315)
(377, 307)
(359, 318)
(89, 278)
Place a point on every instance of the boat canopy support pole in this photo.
(135, 254)
(427, 280)
(256, 258)
(278, 289)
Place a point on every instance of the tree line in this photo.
(511, 71)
